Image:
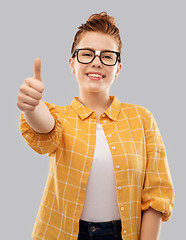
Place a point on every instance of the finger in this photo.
(30, 101)
(37, 69)
(31, 92)
(26, 107)
(35, 84)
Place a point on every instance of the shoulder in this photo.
(131, 109)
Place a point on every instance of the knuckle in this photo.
(35, 102)
(42, 87)
(22, 88)
(26, 81)
(19, 97)
(39, 98)
(18, 104)
(29, 108)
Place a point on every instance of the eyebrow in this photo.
(100, 50)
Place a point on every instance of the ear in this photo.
(118, 69)
(71, 64)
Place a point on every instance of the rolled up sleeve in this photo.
(43, 143)
(158, 191)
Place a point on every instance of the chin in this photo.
(93, 90)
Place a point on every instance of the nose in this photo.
(96, 62)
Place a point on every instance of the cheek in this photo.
(80, 69)
(112, 73)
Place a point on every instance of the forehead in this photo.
(97, 41)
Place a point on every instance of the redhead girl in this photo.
(109, 176)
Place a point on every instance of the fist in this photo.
(30, 92)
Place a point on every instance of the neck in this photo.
(95, 101)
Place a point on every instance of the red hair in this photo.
(101, 22)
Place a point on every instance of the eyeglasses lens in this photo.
(108, 58)
(85, 56)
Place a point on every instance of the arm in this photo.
(151, 224)
(157, 191)
(40, 122)
(43, 143)
(40, 119)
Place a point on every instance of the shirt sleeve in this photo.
(43, 143)
(158, 192)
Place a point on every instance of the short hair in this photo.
(99, 22)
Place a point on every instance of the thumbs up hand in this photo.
(31, 90)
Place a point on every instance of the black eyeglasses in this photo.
(85, 56)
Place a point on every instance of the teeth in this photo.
(94, 75)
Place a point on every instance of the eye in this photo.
(107, 56)
(87, 54)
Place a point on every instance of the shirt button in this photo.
(103, 115)
(93, 229)
(119, 188)
(113, 147)
(117, 166)
(122, 208)
(124, 231)
(109, 135)
(104, 121)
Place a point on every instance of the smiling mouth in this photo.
(95, 76)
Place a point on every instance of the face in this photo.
(85, 73)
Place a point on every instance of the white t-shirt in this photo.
(101, 200)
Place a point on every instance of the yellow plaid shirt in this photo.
(139, 158)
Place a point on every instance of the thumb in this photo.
(37, 69)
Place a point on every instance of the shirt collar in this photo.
(84, 112)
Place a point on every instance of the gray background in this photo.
(153, 75)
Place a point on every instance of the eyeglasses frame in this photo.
(97, 53)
